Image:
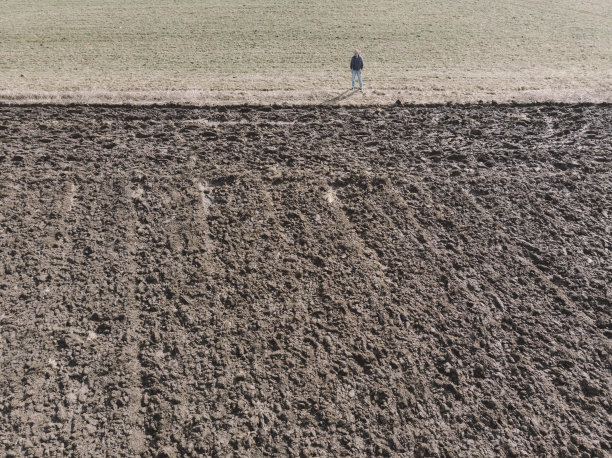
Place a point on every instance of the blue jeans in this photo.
(358, 74)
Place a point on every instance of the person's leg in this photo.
(353, 74)
(360, 84)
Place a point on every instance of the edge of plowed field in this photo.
(346, 97)
(265, 107)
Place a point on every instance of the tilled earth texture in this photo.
(429, 281)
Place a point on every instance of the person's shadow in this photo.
(345, 95)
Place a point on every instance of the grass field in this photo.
(291, 51)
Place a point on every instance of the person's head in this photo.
(356, 53)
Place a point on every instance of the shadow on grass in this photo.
(343, 96)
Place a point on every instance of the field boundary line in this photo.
(295, 98)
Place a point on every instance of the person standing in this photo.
(356, 67)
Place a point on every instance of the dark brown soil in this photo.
(303, 281)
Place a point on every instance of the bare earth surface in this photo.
(363, 281)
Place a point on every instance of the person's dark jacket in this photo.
(356, 63)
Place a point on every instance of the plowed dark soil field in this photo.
(429, 281)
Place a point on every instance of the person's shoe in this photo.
(360, 90)
(352, 89)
